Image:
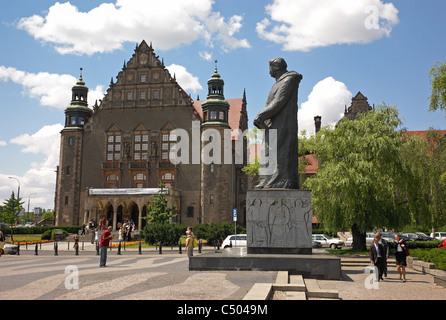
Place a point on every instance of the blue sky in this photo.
(382, 48)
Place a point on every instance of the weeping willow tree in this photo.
(437, 76)
(361, 180)
(425, 158)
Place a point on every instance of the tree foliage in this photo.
(438, 87)
(425, 159)
(10, 210)
(158, 229)
(158, 210)
(361, 177)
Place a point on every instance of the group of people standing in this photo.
(126, 230)
(379, 253)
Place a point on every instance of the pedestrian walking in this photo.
(400, 257)
(76, 241)
(92, 229)
(385, 245)
(83, 229)
(190, 241)
(103, 245)
(2, 242)
(377, 257)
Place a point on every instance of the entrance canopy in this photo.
(126, 192)
(99, 202)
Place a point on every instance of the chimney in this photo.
(317, 123)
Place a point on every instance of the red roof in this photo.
(235, 110)
(423, 133)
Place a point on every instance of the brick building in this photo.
(114, 155)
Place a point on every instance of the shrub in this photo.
(436, 256)
(49, 234)
(167, 233)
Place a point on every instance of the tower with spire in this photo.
(216, 174)
(215, 108)
(67, 202)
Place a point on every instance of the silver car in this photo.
(10, 249)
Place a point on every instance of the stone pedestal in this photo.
(278, 221)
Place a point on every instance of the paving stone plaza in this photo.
(154, 276)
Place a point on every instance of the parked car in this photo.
(317, 244)
(439, 235)
(10, 249)
(416, 237)
(349, 241)
(369, 236)
(238, 240)
(326, 240)
(425, 236)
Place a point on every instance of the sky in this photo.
(384, 49)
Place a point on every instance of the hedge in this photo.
(436, 256)
(38, 230)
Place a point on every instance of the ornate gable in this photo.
(144, 82)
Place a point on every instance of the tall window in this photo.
(141, 146)
(168, 141)
(113, 147)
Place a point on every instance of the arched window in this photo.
(168, 179)
(139, 180)
(112, 180)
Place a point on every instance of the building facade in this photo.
(114, 155)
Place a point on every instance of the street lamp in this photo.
(18, 196)
(18, 189)
(29, 198)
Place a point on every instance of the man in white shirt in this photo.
(386, 252)
(376, 257)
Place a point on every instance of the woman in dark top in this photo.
(400, 257)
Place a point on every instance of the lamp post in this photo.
(18, 192)
(29, 198)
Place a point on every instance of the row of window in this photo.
(212, 115)
(140, 146)
(139, 179)
(143, 95)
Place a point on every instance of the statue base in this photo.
(278, 221)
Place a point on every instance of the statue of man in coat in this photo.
(280, 115)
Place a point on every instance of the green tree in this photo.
(10, 211)
(158, 210)
(438, 87)
(360, 180)
(158, 229)
(425, 159)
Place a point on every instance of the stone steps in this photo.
(294, 287)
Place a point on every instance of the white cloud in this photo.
(3, 143)
(168, 24)
(52, 90)
(41, 177)
(186, 80)
(327, 99)
(302, 25)
(206, 56)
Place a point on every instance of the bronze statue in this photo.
(280, 114)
